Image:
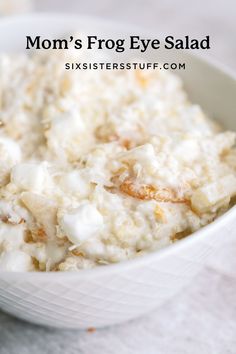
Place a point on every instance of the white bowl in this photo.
(116, 293)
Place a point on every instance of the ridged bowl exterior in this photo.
(112, 294)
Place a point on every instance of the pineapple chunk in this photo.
(206, 197)
(43, 210)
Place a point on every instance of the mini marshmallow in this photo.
(29, 176)
(82, 223)
(10, 151)
(15, 261)
(74, 183)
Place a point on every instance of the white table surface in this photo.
(202, 320)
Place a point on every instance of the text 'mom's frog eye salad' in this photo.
(104, 166)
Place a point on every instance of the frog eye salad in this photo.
(103, 166)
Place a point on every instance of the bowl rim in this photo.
(200, 235)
